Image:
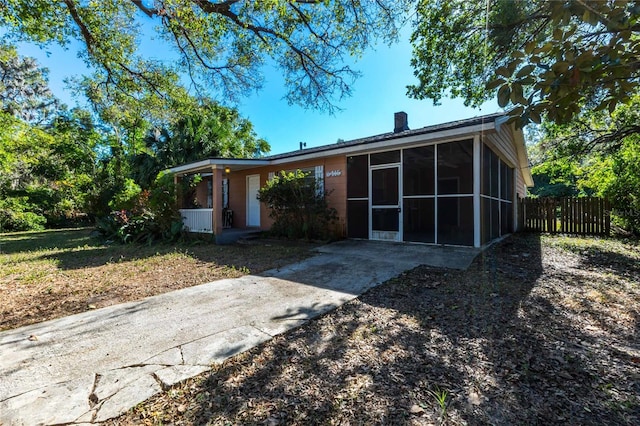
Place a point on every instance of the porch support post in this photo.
(477, 152)
(178, 193)
(216, 216)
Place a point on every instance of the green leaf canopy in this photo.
(219, 45)
(543, 57)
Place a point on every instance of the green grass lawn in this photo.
(49, 274)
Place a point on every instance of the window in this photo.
(315, 174)
(225, 193)
(318, 173)
(311, 174)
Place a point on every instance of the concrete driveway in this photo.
(94, 366)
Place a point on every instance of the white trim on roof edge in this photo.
(441, 136)
(438, 136)
(523, 158)
(213, 162)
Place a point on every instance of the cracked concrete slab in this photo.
(86, 418)
(95, 365)
(169, 376)
(218, 347)
(172, 356)
(43, 406)
(134, 392)
(111, 382)
(275, 327)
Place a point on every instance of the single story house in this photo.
(455, 183)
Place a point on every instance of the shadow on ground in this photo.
(74, 249)
(54, 238)
(55, 273)
(492, 345)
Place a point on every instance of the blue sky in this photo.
(379, 93)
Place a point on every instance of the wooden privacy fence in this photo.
(568, 215)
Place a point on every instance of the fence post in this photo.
(607, 217)
(563, 215)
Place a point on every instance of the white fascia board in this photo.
(242, 162)
(523, 157)
(385, 145)
(500, 121)
(217, 162)
(448, 135)
(189, 166)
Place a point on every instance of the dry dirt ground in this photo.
(540, 330)
(51, 274)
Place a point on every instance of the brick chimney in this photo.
(401, 123)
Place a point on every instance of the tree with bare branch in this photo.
(219, 45)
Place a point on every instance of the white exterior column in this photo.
(477, 157)
(178, 200)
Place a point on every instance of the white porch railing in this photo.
(197, 220)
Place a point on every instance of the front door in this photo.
(386, 220)
(253, 205)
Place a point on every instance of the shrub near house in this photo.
(152, 216)
(297, 204)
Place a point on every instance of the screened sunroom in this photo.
(454, 192)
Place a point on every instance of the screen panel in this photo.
(455, 220)
(455, 167)
(509, 180)
(485, 184)
(385, 219)
(493, 178)
(495, 219)
(485, 220)
(418, 167)
(358, 176)
(419, 220)
(384, 187)
(385, 157)
(506, 214)
(357, 218)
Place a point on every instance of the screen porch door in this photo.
(385, 204)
